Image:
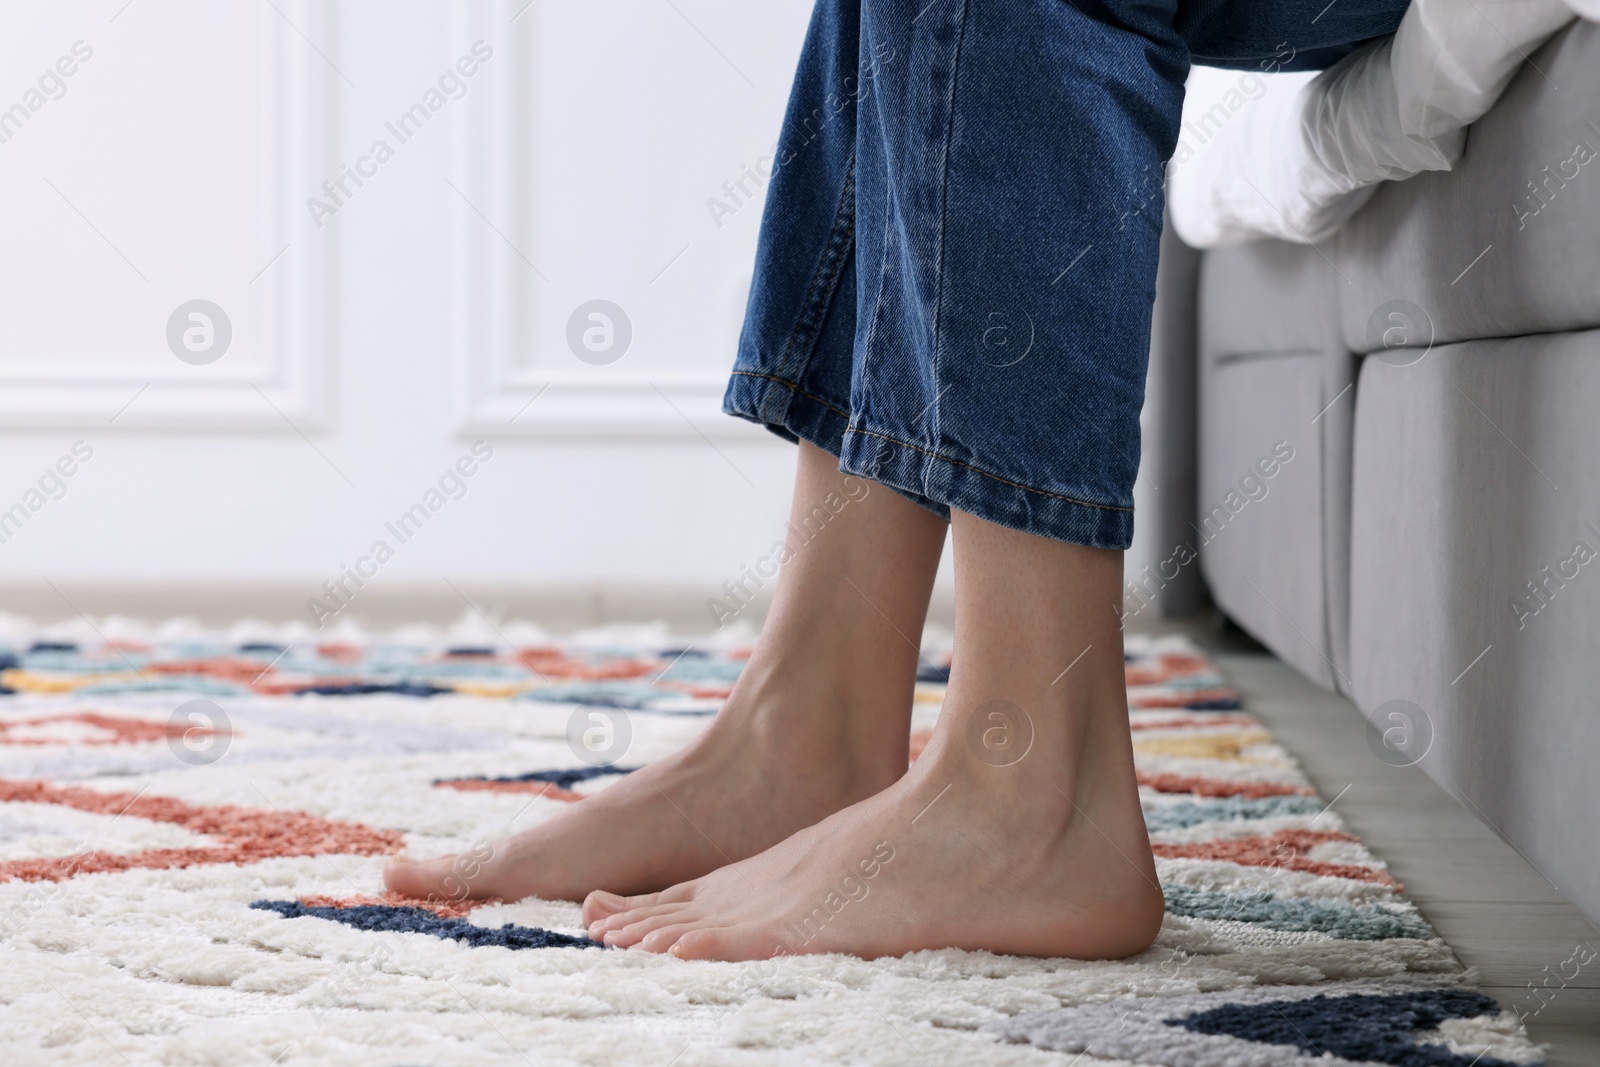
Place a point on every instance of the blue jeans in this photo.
(958, 253)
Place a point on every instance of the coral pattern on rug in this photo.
(174, 892)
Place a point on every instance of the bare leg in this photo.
(818, 720)
(1019, 829)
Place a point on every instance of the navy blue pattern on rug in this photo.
(1373, 1028)
(400, 919)
(563, 778)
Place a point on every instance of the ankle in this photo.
(798, 727)
(1060, 729)
(1050, 766)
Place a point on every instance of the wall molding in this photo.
(297, 125)
(494, 261)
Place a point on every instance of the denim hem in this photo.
(784, 408)
(796, 415)
(914, 471)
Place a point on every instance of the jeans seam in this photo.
(988, 474)
(944, 193)
(793, 388)
(819, 294)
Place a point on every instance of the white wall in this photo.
(370, 352)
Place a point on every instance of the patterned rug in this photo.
(192, 831)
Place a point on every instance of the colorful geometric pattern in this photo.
(683, 679)
(156, 908)
(677, 678)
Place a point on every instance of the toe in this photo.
(629, 934)
(747, 941)
(617, 920)
(411, 877)
(442, 878)
(600, 905)
(662, 938)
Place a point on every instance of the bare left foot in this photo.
(817, 720)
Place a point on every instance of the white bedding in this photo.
(1292, 155)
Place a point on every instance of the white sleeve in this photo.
(1296, 168)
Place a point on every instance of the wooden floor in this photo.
(1500, 915)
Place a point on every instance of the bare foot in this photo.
(1019, 830)
(958, 854)
(758, 774)
(818, 720)
(609, 916)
